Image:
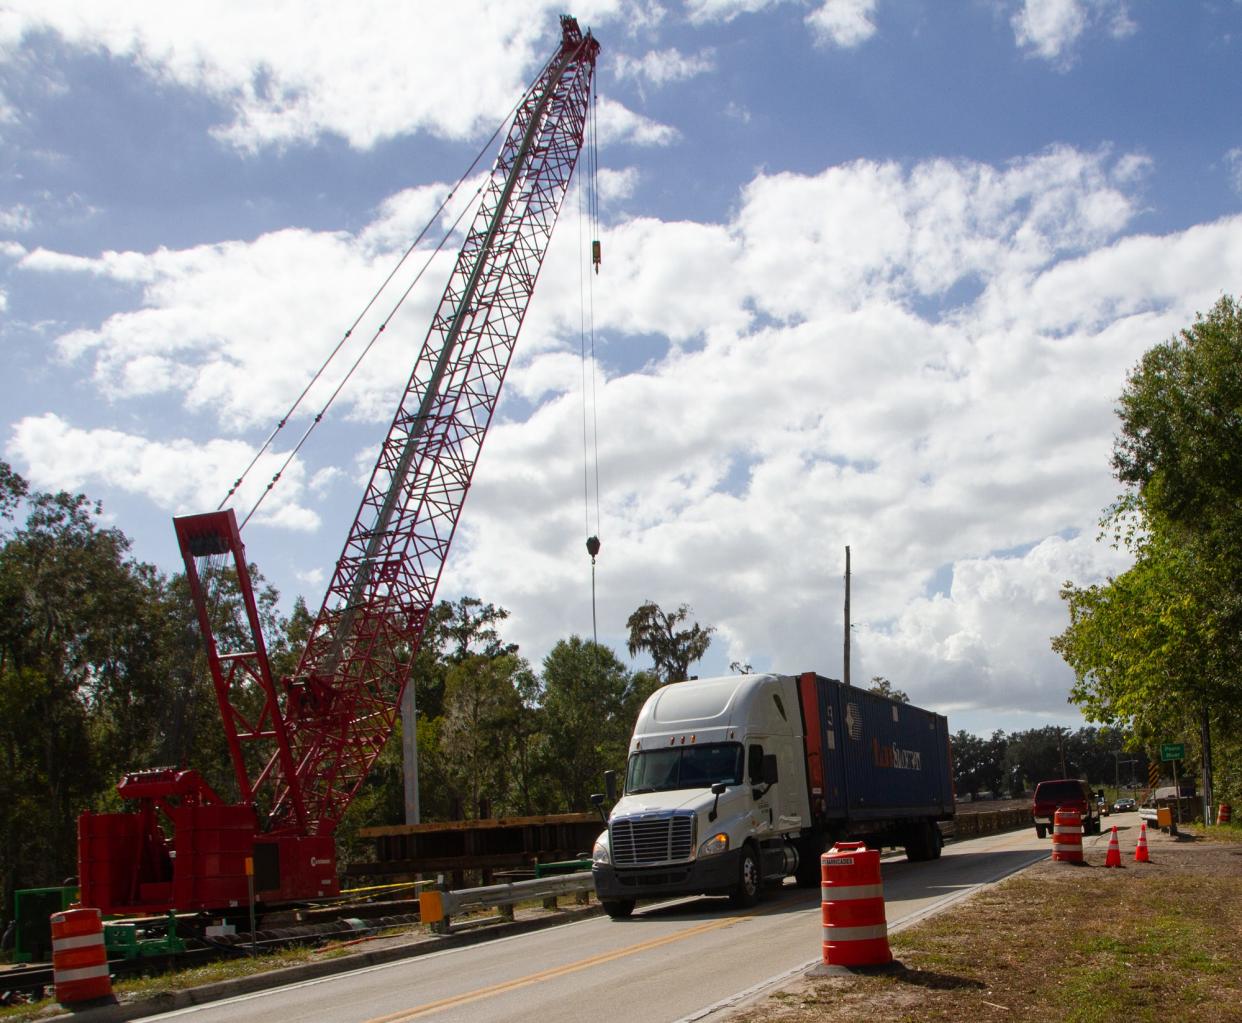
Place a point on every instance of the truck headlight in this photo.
(600, 857)
(715, 845)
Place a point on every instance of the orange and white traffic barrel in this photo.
(79, 959)
(852, 908)
(1224, 813)
(1067, 836)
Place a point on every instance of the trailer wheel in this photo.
(808, 874)
(922, 842)
(1040, 831)
(749, 879)
(618, 909)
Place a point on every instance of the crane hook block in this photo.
(595, 254)
(592, 546)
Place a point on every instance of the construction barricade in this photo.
(79, 959)
(1067, 836)
(1224, 813)
(852, 907)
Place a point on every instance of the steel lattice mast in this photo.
(346, 693)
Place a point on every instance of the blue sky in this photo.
(874, 272)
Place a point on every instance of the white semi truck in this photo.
(737, 782)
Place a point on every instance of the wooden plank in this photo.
(476, 825)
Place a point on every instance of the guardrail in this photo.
(437, 907)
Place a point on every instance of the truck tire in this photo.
(618, 909)
(1040, 831)
(749, 879)
(808, 874)
(922, 842)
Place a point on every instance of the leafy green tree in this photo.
(1159, 648)
(589, 703)
(82, 694)
(883, 687)
(482, 705)
(673, 650)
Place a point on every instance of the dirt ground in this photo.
(1146, 942)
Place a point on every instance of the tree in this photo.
(673, 650)
(1159, 648)
(481, 707)
(83, 653)
(883, 687)
(590, 702)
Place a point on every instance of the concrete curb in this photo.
(221, 990)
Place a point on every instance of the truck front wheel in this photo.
(618, 909)
(749, 880)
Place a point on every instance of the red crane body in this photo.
(301, 746)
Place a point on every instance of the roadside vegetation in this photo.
(1142, 944)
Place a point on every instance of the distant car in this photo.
(1125, 805)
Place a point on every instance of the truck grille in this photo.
(639, 842)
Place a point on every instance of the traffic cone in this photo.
(1140, 850)
(1113, 859)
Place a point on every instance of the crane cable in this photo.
(586, 332)
(284, 420)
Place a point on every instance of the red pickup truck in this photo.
(1065, 794)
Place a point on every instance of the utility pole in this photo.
(846, 669)
(409, 753)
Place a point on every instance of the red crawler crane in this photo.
(301, 746)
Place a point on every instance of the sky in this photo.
(873, 274)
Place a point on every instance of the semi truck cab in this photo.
(714, 796)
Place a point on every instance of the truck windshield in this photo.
(684, 767)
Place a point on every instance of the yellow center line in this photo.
(555, 971)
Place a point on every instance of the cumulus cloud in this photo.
(660, 67)
(843, 23)
(1233, 160)
(919, 360)
(1050, 29)
(335, 75)
(57, 455)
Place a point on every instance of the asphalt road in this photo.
(685, 960)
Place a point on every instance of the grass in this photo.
(1142, 944)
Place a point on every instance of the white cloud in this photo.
(56, 455)
(15, 218)
(701, 11)
(618, 123)
(918, 361)
(235, 328)
(1233, 160)
(844, 23)
(1050, 29)
(660, 67)
(335, 74)
(617, 184)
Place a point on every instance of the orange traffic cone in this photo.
(1140, 850)
(1113, 859)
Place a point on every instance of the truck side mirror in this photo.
(718, 790)
(610, 785)
(597, 799)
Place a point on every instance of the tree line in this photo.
(102, 671)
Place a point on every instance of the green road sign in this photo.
(1173, 751)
